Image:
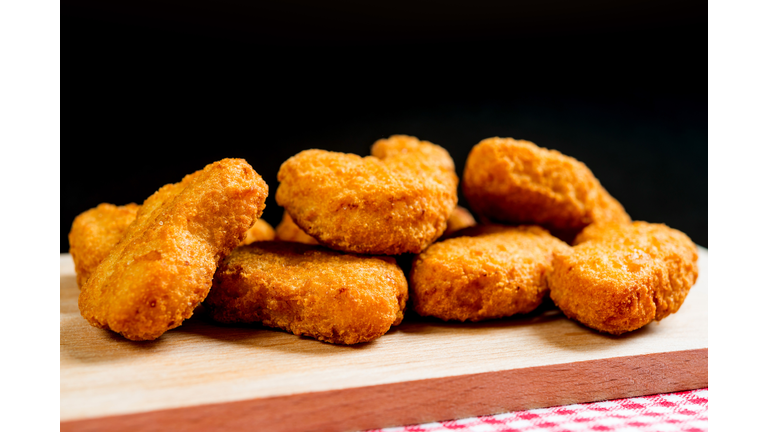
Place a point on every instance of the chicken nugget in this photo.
(460, 218)
(396, 201)
(620, 277)
(162, 267)
(516, 182)
(309, 290)
(94, 233)
(499, 272)
(287, 230)
(260, 231)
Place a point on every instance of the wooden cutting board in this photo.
(203, 376)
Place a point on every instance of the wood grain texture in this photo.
(202, 376)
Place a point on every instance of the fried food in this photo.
(516, 182)
(162, 267)
(620, 277)
(396, 201)
(287, 230)
(309, 290)
(499, 272)
(94, 233)
(260, 231)
(460, 218)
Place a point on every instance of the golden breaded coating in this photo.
(460, 218)
(499, 272)
(260, 231)
(396, 201)
(94, 233)
(163, 266)
(516, 182)
(620, 277)
(309, 290)
(287, 230)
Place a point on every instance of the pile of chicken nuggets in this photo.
(329, 269)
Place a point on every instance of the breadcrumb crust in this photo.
(516, 182)
(621, 277)
(393, 202)
(309, 290)
(499, 272)
(287, 230)
(95, 232)
(163, 266)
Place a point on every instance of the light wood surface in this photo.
(202, 375)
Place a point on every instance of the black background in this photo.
(158, 89)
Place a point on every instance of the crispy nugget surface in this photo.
(309, 290)
(620, 277)
(163, 266)
(511, 181)
(287, 230)
(460, 218)
(260, 231)
(95, 232)
(497, 273)
(396, 201)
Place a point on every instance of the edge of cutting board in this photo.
(429, 400)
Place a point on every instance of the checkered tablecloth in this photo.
(684, 411)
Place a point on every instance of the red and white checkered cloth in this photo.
(684, 411)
